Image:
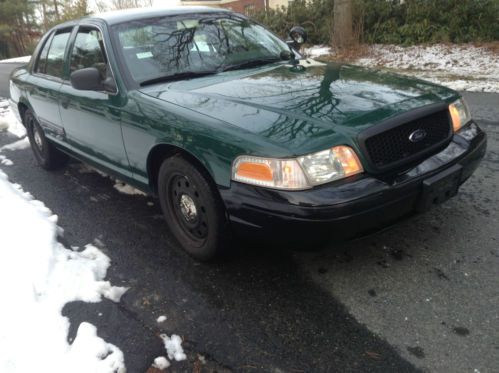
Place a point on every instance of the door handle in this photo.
(65, 102)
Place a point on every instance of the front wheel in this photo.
(46, 154)
(194, 212)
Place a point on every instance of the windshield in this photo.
(191, 45)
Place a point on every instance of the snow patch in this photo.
(23, 59)
(17, 145)
(202, 359)
(119, 185)
(3, 124)
(8, 121)
(317, 51)
(173, 346)
(38, 276)
(84, 168)
(109, 358)
(5, 161)
(161, 363)
(462, 67)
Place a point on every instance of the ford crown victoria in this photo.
(235, 131)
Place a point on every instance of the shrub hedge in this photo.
(393, 21)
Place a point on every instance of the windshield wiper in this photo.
(178, 76)
(250, 63)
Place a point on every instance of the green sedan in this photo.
(236, 132)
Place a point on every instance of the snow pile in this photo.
(38, 276)
(161, 363)
(173, 346)
(8, 121)
(161, 319)
(23, 59)
(461, 67)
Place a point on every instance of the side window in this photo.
(41, 64)
(55, 57)
(88, 51)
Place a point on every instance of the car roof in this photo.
(119, 16)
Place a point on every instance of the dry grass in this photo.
(491, 46)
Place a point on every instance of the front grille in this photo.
(393, 145)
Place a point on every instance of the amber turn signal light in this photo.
(456, 118)
(459, 113)
(255, 171)
(349, 160)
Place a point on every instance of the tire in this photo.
(194, 212)
(46, 154)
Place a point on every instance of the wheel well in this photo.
(163, 151)
(22, 109)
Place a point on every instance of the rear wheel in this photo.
(46, 154)
(194, 212)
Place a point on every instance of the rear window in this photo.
(51, 58)
(41, 64)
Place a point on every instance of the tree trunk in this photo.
(44, 16)
(342, 23)
(56, 10)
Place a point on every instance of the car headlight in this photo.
(297, 173)
(460, 114)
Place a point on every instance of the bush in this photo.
(426, 21)
(393, 21)
(315, 16)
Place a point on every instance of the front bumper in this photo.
(356, 205)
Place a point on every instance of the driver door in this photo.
(92, 119)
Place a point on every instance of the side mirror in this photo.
(88, 79)
(298, 36)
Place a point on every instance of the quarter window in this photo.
(55, 57)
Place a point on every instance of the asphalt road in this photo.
(5, 70)
(423, 295)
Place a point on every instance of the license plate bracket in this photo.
(439, 188)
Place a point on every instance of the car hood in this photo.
(305, 108)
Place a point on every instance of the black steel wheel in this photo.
(194, 212)
(189, 209)
(46, 154)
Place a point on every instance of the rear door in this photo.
(92, 118)
(46, 81)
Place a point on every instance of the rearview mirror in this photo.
(298, 36)
(88, 79)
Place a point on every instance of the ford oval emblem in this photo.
(417, 135)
